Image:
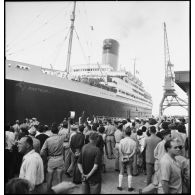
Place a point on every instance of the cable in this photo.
(40, 26)
(23, 30)
(81, 46)
(91, 31)
(35, 44)
(27, 26)
(59, 48)
(86, 22)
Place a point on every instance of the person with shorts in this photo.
(53, 150)
(127, 148)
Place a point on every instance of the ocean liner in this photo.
(96, 89)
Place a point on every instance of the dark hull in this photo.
(51, 104)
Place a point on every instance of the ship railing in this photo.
(97, 84)
(105, 118)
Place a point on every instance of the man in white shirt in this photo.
(127, 147)
(32, 165)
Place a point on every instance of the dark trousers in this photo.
(67, 158)
(91, 188)
(17, 160)
(73, 163)
(134, 165)
(76, 174)
(150, 172)
(9, 171)
(110, 143)
(144, 159)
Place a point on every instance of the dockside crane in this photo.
(170, 97)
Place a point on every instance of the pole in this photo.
(134, 66)
(165, 50)
(70, 39)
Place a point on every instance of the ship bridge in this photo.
(90, 70)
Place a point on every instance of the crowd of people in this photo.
(156, 147)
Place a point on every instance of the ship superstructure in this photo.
(122, 83)
(106, 76)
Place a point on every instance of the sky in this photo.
(36, 33)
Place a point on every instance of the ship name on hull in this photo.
(24, 87)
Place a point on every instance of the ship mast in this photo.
(72, 18)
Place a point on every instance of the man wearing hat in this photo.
(89, 164)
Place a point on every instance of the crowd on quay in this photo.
(156, 147)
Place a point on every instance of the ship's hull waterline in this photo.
(51, 104)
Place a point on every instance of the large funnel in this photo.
(110, 53)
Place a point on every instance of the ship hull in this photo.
(50, 104)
